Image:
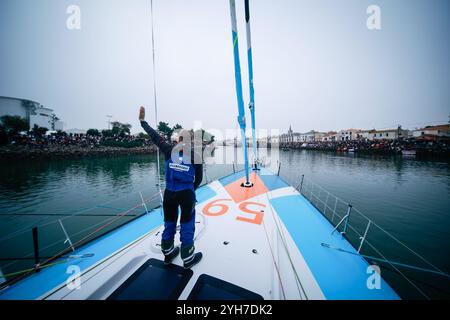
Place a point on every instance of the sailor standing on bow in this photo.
(183, 176)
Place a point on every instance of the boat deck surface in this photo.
(266, 239)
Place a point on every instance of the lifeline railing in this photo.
(366, 236)
(56, 234)
(61, 243)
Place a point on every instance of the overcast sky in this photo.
(316, 65)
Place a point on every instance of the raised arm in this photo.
(160, 142)
(198, 167)
(198, 175)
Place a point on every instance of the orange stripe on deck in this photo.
(239, 193)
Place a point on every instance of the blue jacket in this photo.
(181, 174)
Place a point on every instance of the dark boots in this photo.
(190, 258)
(170, 251)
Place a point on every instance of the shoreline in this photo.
(23, 153)
(71, 152)
(387, 149)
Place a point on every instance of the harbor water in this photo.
(409, 198)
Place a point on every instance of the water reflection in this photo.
(409, 197)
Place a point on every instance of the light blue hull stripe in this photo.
(231, 178)
(204, 193)
(340, 275)
(271, 181)
(40, 283)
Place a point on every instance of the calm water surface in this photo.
(407, 197)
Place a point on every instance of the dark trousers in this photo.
(185, 200)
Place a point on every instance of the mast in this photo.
(251, 104)
(240, 100)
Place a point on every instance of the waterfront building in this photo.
(308, 136)
(367, 134)
(318, 135)
(388, 134)
(287, 137)
(296, 137)
(33, 112)
(349, 135)
(432, 132)
(330, 136)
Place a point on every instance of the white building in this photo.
(318, 135)
(31, 111)
(367, 134)
(308, 136)
(17, 107)
(296, 137)
(287, 137)
(442, 130)
(388, 134)
(349, 135)
(44, 117)
(330, 136)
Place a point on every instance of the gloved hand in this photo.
(142, 114)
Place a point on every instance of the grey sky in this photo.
(316, 65)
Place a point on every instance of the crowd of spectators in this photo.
(379, 146)
(63, 139)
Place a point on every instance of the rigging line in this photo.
(155, 99)
(283, 240)
(389, 262)
(113, 258)
(81, 240)
(274, 261)
(382, 229)
(70, 214)
(400, 242)
(40, 223)
(393, 266)
(251, 104)
(42, 266)
(75, 234)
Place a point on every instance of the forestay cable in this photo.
(251, 104)
(158, 183)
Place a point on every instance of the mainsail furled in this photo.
(240, 99)
(251, 104)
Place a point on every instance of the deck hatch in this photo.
(210, 288)
(154, 281)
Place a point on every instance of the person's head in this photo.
(179, 136)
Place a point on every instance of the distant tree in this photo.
(142, 135)
(93, 133)
(163, 128)
(121, 129)
(53, 121)
(177, 127)
(39, 131)
(14, 124)
(127, 128)
(107, 133)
